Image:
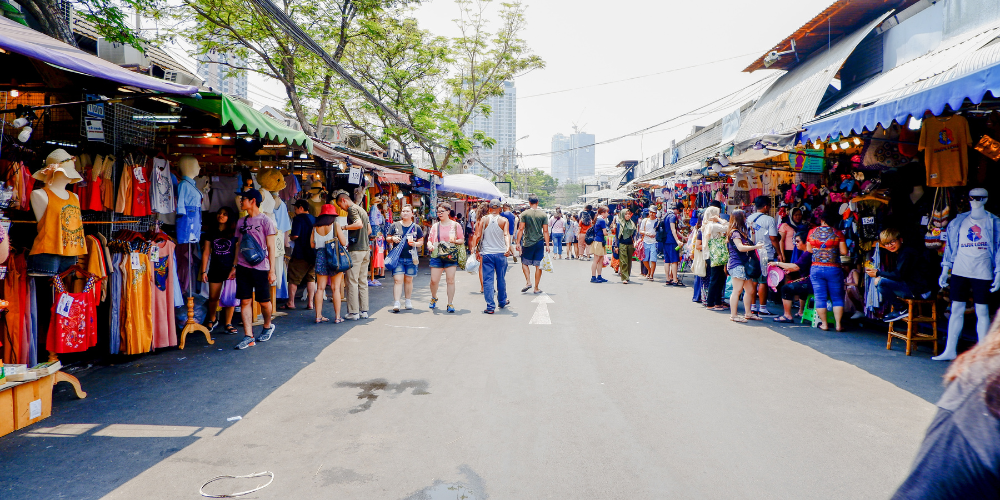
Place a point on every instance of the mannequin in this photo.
(316, 200)
(189, 199)
(973, 256)
(60, 227)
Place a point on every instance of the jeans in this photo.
(357, 282)
(828, 284)
(625, 260)
(716, 285)
(494, 264)
(557, 242)
(893, 290)
(697, 289)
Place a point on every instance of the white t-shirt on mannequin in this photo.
(972, 260)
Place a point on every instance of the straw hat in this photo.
(271, 180)
(59, 161)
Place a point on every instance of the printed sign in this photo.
(807, 161)
(34, 409)
(96, 109)
(355, 176)
(95, 129)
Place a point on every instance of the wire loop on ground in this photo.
(234, 495)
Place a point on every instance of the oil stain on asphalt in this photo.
(370, 388)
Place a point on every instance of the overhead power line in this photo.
(674, 70)
(296, 33)
(646, 129)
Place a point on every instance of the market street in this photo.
(665, 400)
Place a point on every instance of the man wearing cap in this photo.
(254, 280)
(492, 231)
(301, 267)
(358, 229)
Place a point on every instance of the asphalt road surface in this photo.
(630, 392)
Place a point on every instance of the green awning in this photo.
(245, 118)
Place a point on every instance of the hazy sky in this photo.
(587, 42)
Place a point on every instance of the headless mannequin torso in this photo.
(956, 321)
(40, 199)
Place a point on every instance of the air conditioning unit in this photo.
(357, 141)
(331, 133)
(182, 78)
(121, 54)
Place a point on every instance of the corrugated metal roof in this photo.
(839, 19)
(794, 98)
(961, 54)
(157, 56)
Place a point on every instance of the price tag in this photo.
(154, 255)
(138, 175)
(354, 177)
(925, 220)
(136, 262)
(868, 220)
(64, 305)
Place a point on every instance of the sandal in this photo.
(783, 319)
(738, 319)
(338, 320)
(230, 330)
(823, 327)
(212, 324)
(286, 307)
(753, 317)
(322, 320)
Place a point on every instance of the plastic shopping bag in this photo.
(547, 263)
(472, 265)
(228, 296)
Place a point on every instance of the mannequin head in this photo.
(977, 198)
(59, 170)
(189, 166)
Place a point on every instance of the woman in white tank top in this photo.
(323, 232)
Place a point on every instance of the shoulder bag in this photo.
(445, 251)
(251, 251)
(338, 258)
(393, 256)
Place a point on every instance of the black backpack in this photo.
(585, 218)
(590, 236)
(661, 231)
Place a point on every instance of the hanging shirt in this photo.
(188, 211)
(973, 258)
(945, 143)
(60, 230)
(161, 198)
(73, 324)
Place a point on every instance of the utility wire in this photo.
(643, 130)
(296, 33)
(639, 77)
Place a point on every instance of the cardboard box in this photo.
(32, 401)
(6, 412)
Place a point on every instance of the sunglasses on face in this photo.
(978, 198)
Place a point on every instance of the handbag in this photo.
(251, 251)
(397, 251)
(445, 251)
(698, 264)
(338, 259)
(228, 296)
(938, 221)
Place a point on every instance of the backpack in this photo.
(585, 218)
(590, 236)
(249, 248)
(661, 231)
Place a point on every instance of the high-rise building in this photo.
(500, 125)
(573, 157)
(216, 75)
(560, 158)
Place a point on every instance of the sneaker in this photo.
(451, 308)
(858, 315)
(395, 307)
(353, 316)
(376, 282)
(364, 314)
(593, 279)
(896, 316)
(266, 333)
(246, 342)
(762, 311)
(753, 308)
(434, 303)
(600, 279)
(371, 283)
(505, 304)
(408, 305)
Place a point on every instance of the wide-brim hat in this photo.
(59, 161)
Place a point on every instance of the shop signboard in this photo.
(95, 129)
(810, 161)
(94, 109)
(355, 176)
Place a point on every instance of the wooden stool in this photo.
(917, 315)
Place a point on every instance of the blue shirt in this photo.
(667, 221)
(510, 221)
(281, 218)
(302, 227)
(188, 211)
(599, 228)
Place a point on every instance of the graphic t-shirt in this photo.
(223, 251)
(762, 227)
(599, 228)
(945, 143)
(972, 260)
(302, 226)
(258, 228)
(534, 220)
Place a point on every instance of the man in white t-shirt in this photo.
(647, 228)
(764, 230)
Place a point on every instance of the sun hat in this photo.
(59, 161)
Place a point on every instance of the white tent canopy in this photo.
(610, 194)
(471, 185)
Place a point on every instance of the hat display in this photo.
(59, 161)
(317, 185)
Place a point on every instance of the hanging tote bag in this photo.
(393, 257)
(228, 296)
(940, 214)
(338, 258)
(698, 265)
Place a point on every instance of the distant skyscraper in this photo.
(501, 125)
(215, 74)
(577, 158)
(560, 161)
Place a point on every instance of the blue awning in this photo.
(970, 78)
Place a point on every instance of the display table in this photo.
(25, 402)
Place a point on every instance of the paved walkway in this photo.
(631, 392)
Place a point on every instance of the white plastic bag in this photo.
(547, 262)
(472, 265)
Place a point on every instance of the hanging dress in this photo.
(73, 325)
(15, 288)
(137, 298)
(165, 269)
(107, 182)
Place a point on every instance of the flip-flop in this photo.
(322, 320)
(737, 319)
(783, 319)
(525, 289)
(285, 307)
(754, 317)
(536, 292)
(488, 311)
(338, 320)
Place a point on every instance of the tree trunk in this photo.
(321, 115)
(51, 18)
(300, 113)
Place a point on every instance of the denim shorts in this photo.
(650, 252)
(436, 262)
(50, 264)
(738, 272)
(404, 266)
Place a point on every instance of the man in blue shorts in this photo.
(532, 239)
(671, 256)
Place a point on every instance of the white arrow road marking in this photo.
(541, 316)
